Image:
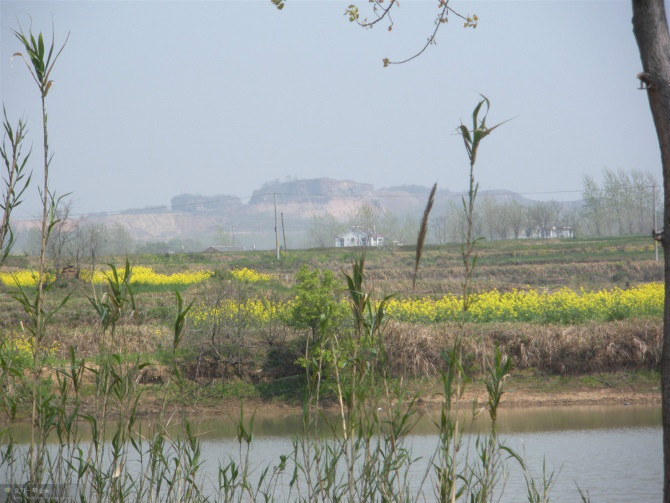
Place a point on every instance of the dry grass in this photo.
(554, 349)
(413, 350)
(129, 339)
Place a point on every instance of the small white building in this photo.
(354, 236)
(562, 232)
(552, 232)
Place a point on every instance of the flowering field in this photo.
(147, 276)
(249, 275)
(524, 305)
(249, 311)
(26, 277)
(140, 275)
(563, 306)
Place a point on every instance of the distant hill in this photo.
(211, 219)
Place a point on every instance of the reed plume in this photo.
(423, 230)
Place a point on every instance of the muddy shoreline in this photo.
(514, 398)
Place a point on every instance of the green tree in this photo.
(316, 295)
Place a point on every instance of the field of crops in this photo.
(249, 308)
(564, 306)
(525, 305)
(140, 275)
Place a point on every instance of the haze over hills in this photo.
(222, 219)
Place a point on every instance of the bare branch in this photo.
(440, 19)
(385, 12)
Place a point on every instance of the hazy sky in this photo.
(153, 99)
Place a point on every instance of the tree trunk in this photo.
(650, 27)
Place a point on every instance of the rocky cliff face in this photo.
(303, 198)
(189, 203)
(298, 200)
(320, 189)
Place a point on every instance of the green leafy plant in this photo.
(40, 60)
(315, 293)
(15, 179)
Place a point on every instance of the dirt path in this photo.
(605, 396)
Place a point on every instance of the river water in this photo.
(612, 452)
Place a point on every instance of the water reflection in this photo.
(512, 420)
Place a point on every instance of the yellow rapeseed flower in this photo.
(147, 276)
(26, 277)
(562, 306)
(249, 275)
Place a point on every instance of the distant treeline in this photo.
(623, 204)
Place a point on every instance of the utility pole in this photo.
(655, 229)
(283, 232)
(276, 234)
(232, 227)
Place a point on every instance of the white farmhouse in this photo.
(355, 236)
(552, 232)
